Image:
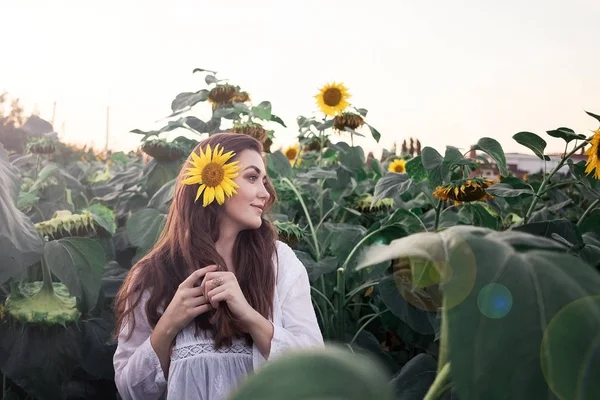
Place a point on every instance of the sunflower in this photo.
(292, 152)
(240, 97)
(251, 129)
(332, 99)
(162, 150)
(222, 95)
(464, 190)
(398, 166)
(364, 204)
(593, 154)
(214, 175)
(347, 120)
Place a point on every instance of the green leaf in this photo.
(171, 125)
(533, 142)
(415, 378)
(40, 362)
(391, 185)
(493, 149)
(352, 158)
(506, 190)
(20, 244)
(431, 159)
(163, 196)
(278, 165)
(105, 217)
(316, 269)
(415, 169)
(185, 101)
(49, 170)
(197, 124)
(210, 79)
(144, 227)
(393, 298)
(275, 118)
(593, 115)
(561, 227)
(592, 222)
(433, 162)
(263, 110)
(158, 173)
(78, 263)
(375, 133)
(566, 134)
(328, 373)
(511, 304)
(481, 216)
(318, 173)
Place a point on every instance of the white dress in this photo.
(199, 372)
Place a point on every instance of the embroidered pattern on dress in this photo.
(201, 348)
(219, 385)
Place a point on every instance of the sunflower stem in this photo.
(588, 211)
(438, 209)
(440, 385)
(550, 176)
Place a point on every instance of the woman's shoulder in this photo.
(288, 264)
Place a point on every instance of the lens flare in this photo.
(494, 300)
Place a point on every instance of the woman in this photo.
(218, 295)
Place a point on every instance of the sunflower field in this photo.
(429, 280)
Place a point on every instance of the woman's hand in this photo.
(189, 301)
(223, 286)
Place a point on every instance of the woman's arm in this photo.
(299, 326)
(138, 369)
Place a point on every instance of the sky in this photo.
(447, 73)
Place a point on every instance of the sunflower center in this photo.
(332, 97)
(213, 174)
(399, 168)
(291, 153)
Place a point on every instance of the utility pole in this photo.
(53, 113)
(107, 129)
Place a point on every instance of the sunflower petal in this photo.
(219, 195)
(209, 196)
(200, 189)
(208, 153)
(192, 180)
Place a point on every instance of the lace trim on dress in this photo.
(202, 348)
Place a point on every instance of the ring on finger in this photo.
(218, 281)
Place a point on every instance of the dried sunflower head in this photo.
(222, 95)
(364, 204)
(42, 145)
(251, 129)
(162, 150)
(347, 120)
(464, 190)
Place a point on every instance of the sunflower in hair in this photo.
(593, 154)
(464, 190)
(214, 175)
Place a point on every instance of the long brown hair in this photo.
(187, 243)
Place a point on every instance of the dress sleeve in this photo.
(138, 374)
(298, 327)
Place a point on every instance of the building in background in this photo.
(521, 165)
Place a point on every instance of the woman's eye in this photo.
(253, 177)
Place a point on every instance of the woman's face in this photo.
(244, 209)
